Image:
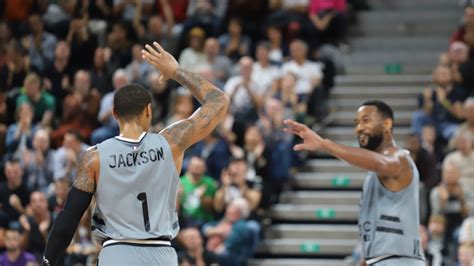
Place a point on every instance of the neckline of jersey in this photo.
(132, 140)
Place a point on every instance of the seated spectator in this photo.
(196, 194)
(440, 106)
(125, 10)
(437, 245)
(448, 199)
(328, 20)
(309, 74)
(183, 106)
(14, 195)
(118, 49)
(106, 117)
(215, 150)
(467, 28)
(217, 67)
(192, 57)
(154, 33)
(138, 69)
(246, 97)
(20, 134)
(195, 253)
(36, 224)
(278, 47)
(466, 254)
(13, 72)
(58, 75)
(235, 185)
(466, 128)
(424, 239)
(83, 43)
(14, 254)
(67, 157)
(458, 54)
(80, 110)
(430, 143)
(424, 160)
(161, 100)
(57, 200)
(231, 238)
(207, 14)
(43, 103)
(40, 43)
(39, 162)
(235, 44)
(101, 72)
(263, 72)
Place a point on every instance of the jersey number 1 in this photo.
(146, 220)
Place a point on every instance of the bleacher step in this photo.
(330, 180)
(321, 197)
(312, 231)
(296, 262)
(305, 247)
(311, 212)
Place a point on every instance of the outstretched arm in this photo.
(387, 165)
(215, 102)
(77, 202)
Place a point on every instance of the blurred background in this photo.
(246, 198)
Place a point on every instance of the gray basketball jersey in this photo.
(389, 221)
(137, 189)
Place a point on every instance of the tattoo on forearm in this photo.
(85, 180)
(198, 85)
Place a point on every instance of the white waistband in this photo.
(377, 259)
(137, 241)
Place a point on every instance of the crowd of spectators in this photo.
(61, 62)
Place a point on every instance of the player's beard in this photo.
(373, 141)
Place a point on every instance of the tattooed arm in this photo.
(78, 200)
(215, 102)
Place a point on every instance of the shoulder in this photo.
(21, 98)
(28, 256)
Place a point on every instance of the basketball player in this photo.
(388, 218)
(135, 176)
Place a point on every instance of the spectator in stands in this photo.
(138, 69)
(58, 17)
(154, 33)
(82, 250)
(101, 72)
(195, 253)
(20, 134)
(293, 14)
(13, 72)
(231, 238)
(67, 157)
(263, 72)
(83, 44)
(465, 32)
(41, 44)
(126, 9)
(466, 254)
(192, 57)
(98, 12)
(217, 66)
(58, 75)
(328, 19)
(106, 117)
(207, 14)
(235, 185)
(118, 46)
(448, 199)
(215, 150)
(437, 245)
(183, 106)
(458, 54)
(425, 161)
(278, 47)
(43, 103)
(14, 254)
(14, 195)
(285, 91)
(468, 126)
(57, 200)
(424, 239)
(440, 106)
(80, 109)
(39, 162)
(196, 194)
(36, 224)
(161, 94)
(309, 74)
(246, 97)
(235, 44)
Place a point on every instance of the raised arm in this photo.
(393, 164)
(77, 202)
(215, 102)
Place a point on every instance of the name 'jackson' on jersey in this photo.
(137, 189)
(389, 222)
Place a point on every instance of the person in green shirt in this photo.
(197, 193)
(43, 103)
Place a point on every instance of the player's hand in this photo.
(311, 140)
(161, 60)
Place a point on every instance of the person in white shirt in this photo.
(263, 72)
(309, 73)
(192, 58)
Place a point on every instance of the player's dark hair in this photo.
(383, 108)
(130, 101)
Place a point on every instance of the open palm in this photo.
(311, 140)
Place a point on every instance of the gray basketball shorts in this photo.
(400, 261)
(129, 254)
